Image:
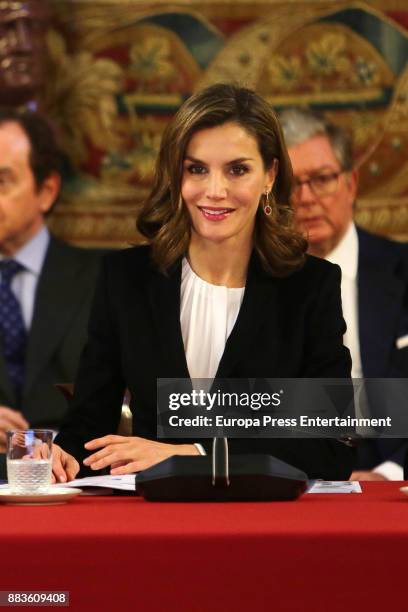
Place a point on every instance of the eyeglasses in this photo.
(322, 184)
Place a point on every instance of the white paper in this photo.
(334, 486)
(124, 483)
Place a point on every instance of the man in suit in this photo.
(46, 286)
(374, 270)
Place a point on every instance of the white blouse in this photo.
(207, 315)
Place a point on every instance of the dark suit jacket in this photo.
(383, 318)
(57, 334)
(290, 327)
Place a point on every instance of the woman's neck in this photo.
(223, 264)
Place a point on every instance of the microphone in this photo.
(220, 463)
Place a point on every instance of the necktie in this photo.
(12, 329)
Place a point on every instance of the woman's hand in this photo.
(126, 455)
(64, 466)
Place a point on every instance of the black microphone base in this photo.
(252, 478)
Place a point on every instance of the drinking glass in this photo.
(29, 460)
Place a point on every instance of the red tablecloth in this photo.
(320, 553)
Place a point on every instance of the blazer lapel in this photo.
(164, 295)
(51, 315)
(379, 301)
(259, 302)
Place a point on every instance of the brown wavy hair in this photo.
(164, 220)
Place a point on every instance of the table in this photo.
(322, 552)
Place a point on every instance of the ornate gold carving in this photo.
(386, 217)
(80, 96)
(22, 50)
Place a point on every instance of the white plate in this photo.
(56, 495)
(404, 490)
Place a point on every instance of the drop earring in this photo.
(267, 208)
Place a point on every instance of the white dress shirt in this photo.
(24, 284)
(345, 255)
(207, 316)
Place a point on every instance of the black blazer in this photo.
(289, 327)
(57, 335)
(383, 318)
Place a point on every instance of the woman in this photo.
(223, 289)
